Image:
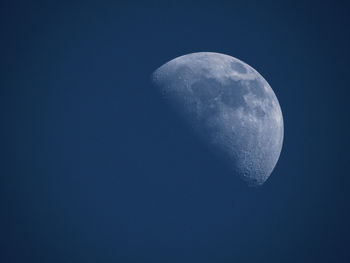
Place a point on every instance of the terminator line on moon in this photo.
(230, 106)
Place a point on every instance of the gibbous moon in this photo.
(230, 106)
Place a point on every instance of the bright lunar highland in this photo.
(230, 106)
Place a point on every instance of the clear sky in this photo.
(96, 168)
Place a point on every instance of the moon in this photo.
(230, 106)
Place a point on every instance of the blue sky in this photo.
(96, 168)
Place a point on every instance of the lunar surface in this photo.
(230, 106)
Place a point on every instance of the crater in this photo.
(238, 67)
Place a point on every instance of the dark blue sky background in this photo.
(95, 168)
